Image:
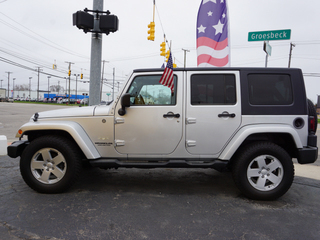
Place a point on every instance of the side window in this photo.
(213, 89)
(270, 89)
(146, 90)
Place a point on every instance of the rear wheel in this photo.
(263, 171)
(50, 164)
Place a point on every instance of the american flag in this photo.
(212, 34)
(167, 76)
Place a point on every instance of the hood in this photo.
(67, 112)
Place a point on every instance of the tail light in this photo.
(312, 123)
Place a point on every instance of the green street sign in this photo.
(269, 35)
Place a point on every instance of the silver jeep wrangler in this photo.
(251, 121)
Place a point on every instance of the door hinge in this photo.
(119, 143)
(118, 120)
(191, 120)
(191, 143)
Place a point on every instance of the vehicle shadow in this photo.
(157, 181)
(183, 182)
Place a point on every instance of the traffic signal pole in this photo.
(99, 22)
(96, 56)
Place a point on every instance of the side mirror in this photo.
(125, 102)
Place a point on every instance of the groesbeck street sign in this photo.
(270, 35)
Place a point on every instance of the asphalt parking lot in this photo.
(151, 203)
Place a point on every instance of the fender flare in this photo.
(241, 135)
(74, 129)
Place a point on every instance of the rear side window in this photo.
(213, 89)
(270, 89)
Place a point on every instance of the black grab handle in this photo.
(171, 114)
(232, 115)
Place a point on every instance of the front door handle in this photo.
(225, 114)
(171, 115)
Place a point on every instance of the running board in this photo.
(216, 164)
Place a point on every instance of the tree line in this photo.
(52, 88)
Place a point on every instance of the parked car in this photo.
(250, 121)
(84, 101)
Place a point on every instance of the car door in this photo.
(213, 110)
(153, 122)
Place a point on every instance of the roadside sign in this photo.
(270, 35)
(267, 48)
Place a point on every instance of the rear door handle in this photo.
(171, 115)
(224, 114)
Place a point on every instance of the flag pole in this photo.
(154, 7)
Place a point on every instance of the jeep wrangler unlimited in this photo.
(252, 121)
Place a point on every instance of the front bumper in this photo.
(16, 148)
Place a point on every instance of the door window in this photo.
(213, 89)
(146, 90)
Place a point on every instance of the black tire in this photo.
(50, 164)
(313, 112)
(263, 171)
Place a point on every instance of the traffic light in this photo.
(151, 31)
(163, 49)
(167, 55)
(81, 76)
(108, 23)
(69, 73)
(83, 20)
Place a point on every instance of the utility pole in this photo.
(48, 89)
(39, 69)
(13, 87)
(1, 82)
(8, 82)
(290, 54)
(96, 53)
(69, 73)
(66, 86)
(114, 75)
(30, 88)
(185, 56)
(103, 62)
(77, 75)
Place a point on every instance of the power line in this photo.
(53, 45)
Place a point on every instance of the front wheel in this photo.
(50, 164)
(263, 171)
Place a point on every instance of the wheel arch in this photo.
(284, 140)
(70, 130)
(284, 136)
